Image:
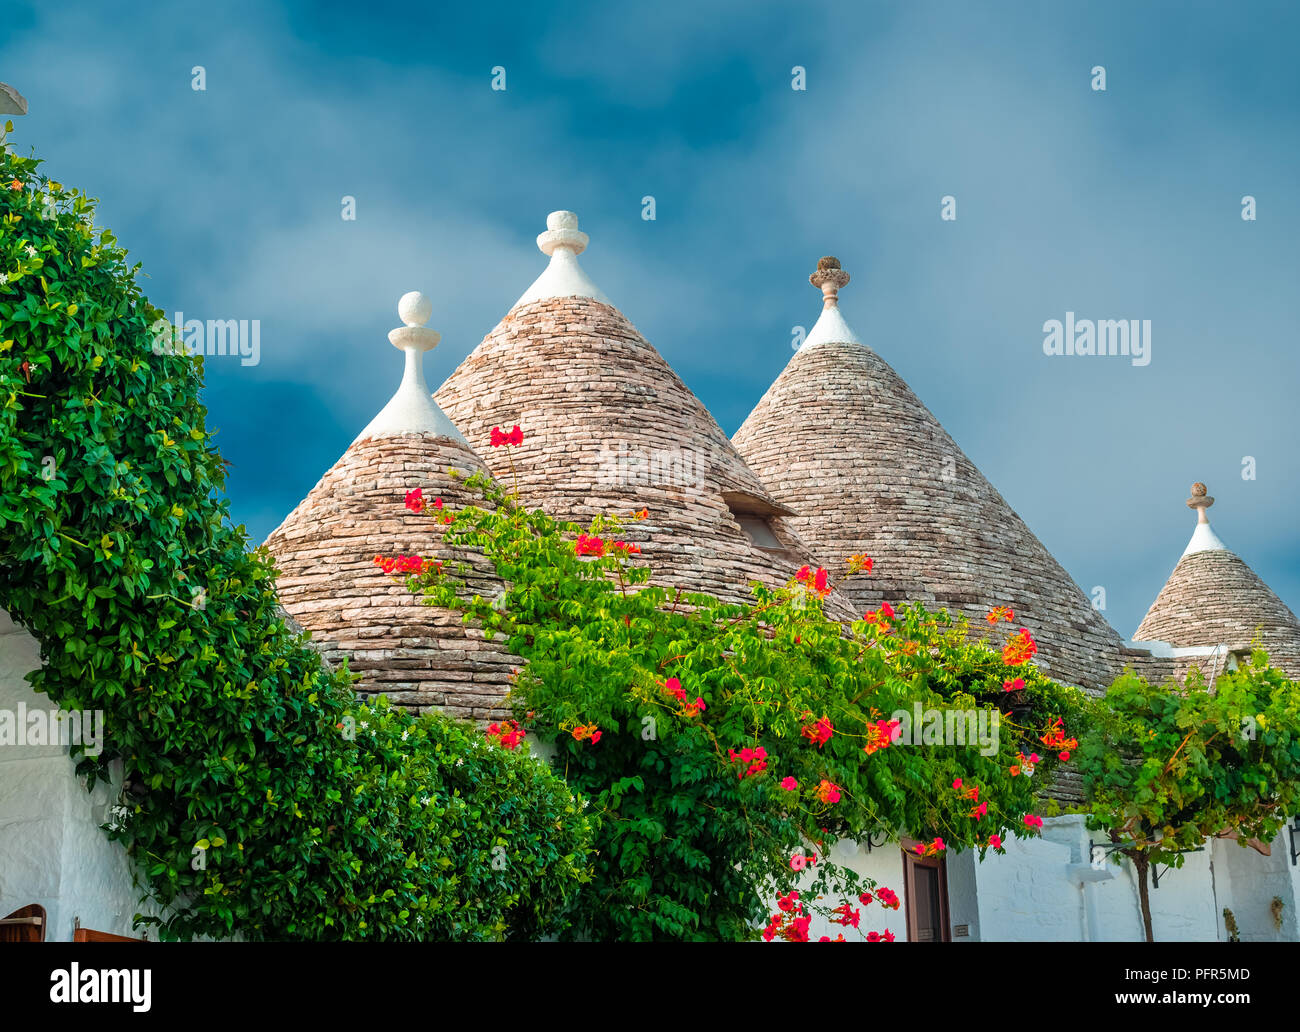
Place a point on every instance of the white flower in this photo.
(364, 725)
(426, 800)
(460, 763)
(4, 277)
(31, 251)
(405, 733)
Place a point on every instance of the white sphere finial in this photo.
(415, 308)
(562, 232)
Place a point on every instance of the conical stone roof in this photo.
(840, 439)
(1214, 604)
(610, 428)
(417, 655)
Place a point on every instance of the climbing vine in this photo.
(727, 749)
(261, 798)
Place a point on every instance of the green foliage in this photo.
(264, 801)
(688, 847)
(1169, 765)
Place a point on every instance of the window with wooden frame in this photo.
(26, 924)
(925, 898)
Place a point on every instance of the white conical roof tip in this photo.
(412, 409)
(1203, 538)
(831, 327)
(563, 277)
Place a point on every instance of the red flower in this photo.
(999, 613)
(589, 545)
(583, 732)
(886, 610)
(995, 841)
(1020, 648)
(415, 500)
(888, 898)
(827, 792)
(819, 732)
(1013, 686)
(789, 784)
(1033, 822)
(848, 917)
(515, 437)
(508, 734)
(787, 902)
(859, 563)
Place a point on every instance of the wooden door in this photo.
(925, 890)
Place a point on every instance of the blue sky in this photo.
(1122, 204)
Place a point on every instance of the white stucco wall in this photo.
(1043, 889)
(1247, 884)
(52, 849)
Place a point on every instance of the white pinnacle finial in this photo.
(563, 277)
(1203, 538)
(830, 327)
(415, 308)
(412, 409)
(562, 231)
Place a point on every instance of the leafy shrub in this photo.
(264, 801)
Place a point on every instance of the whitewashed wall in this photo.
(1248, 882)
(52, 850)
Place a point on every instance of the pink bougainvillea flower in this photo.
(415, 500)
(789, 784)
